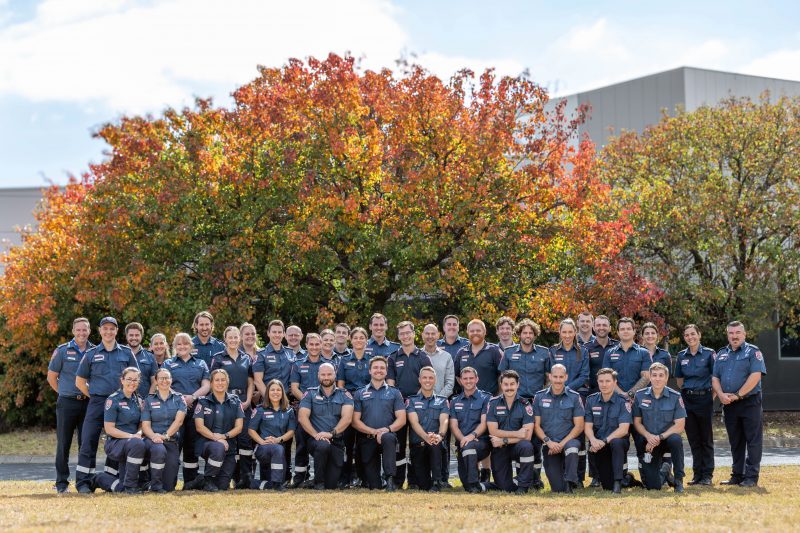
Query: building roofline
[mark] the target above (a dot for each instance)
(682, 68)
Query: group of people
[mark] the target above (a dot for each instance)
(377, 414)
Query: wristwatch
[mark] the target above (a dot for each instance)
(226, 435)
(546, 439)
(505, 440)
(475, 434)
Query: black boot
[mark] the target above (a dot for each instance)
(617, 487)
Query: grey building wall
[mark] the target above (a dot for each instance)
(16, 211)
(636, 104)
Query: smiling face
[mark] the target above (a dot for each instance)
(567, 334)
(275, 334)
(526, 337)
(359, 341)
(377, 370)
(658, 378)
(204, 327)
(451, 328)
(509, 386)
(249, 337)
(275, 393)
(163, 380)
(378, 327)
(314, 346)
(233, 339)
(469, 381)
(183, 347)
(328, 342)
(692, 337)
(130, 382)
(626, 332)
(736, 336)
(427, 380)
(649, 337)
(293, 337)
(406, 336)
(81, 330)
(134, 338)
(219, 382)
(430, 334)
(341, 335)
(585, 324)
(108, 332)
(326, 375)
(606, 383)
(558, 377)
(159, 346)
(505, 333)
(602, 327)
(477, 333)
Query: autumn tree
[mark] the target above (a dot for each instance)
(325, 193)
(718, 211)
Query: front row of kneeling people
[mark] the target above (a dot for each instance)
(505, 428)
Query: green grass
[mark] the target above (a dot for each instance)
(32, 506)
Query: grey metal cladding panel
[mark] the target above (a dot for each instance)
(706, 87)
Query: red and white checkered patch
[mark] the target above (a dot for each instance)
(108, 403)
(680, 401)
(759, 356)
(628, 406)
(529, 410)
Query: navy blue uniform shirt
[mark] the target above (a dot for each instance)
(509, 418)
(662, 356)
(404, 369)
(275, 364)
(486, 363)
(596, 354)
(576, 359)
(187, 376)
(467, 410)
(428, 411)
(658, 414)
(326, 411)
(733, 367)
(239, 371)
(557, 411)
(453, 348)
(205, 351)
(268, 422)
(606, 416)
(103, 368)
(148, 368)
(305, 373)
(386, 348)
(218, 417)
(126, 413)
(378, 406)
(629, 364)
(532, 368)
(162, 413)
(354, 371)
(695, 369)
(65, 361)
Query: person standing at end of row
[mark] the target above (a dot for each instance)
(738, 370)
(71, 403)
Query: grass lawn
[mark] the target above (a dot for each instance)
(43, 442)
(773, 506)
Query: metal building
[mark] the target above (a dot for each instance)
(638, 103)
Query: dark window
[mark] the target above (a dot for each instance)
(790, 342)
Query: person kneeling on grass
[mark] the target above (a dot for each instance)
(163, 413)
(608, 420)
(218, 419)
(559, 425)
(272, 424)
(121, 422)
(325, 412)
(659, 416)
(509, 418)
(428, 415)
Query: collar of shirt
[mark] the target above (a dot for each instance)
(382, 387)
(554, 395)
(73, 344)
(102, 347)
(196, 341)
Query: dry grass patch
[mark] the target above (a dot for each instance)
(32, 506)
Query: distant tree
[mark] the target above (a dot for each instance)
(717, 211)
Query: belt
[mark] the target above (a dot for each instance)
(696, 392)
(237, 392)
(78, 397)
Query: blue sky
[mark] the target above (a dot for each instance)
(68, 66)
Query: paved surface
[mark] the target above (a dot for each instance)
(42, 469)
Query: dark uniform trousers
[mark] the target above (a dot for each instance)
(652, 477)
(220, 463)
(90, 438)
(244, 457)
(743, 424)
(369, 449)
(503, 459)
(609, 462)
(351, 457)
(272, 464)
(328, 460)
(445, 468)
(187, 444)
(401, 460)
(70, 413)
(129, 453)
(562, 468)
(164, 461)
(468, 458)
(426, 462)
(300, 454)
(699, 419)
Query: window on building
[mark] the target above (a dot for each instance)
(790, 342)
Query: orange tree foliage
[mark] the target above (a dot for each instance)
(324, 194)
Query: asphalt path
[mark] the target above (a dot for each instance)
(41, 471)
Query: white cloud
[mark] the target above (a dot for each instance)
(783, 64)
(592, 55)
(139, 55)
